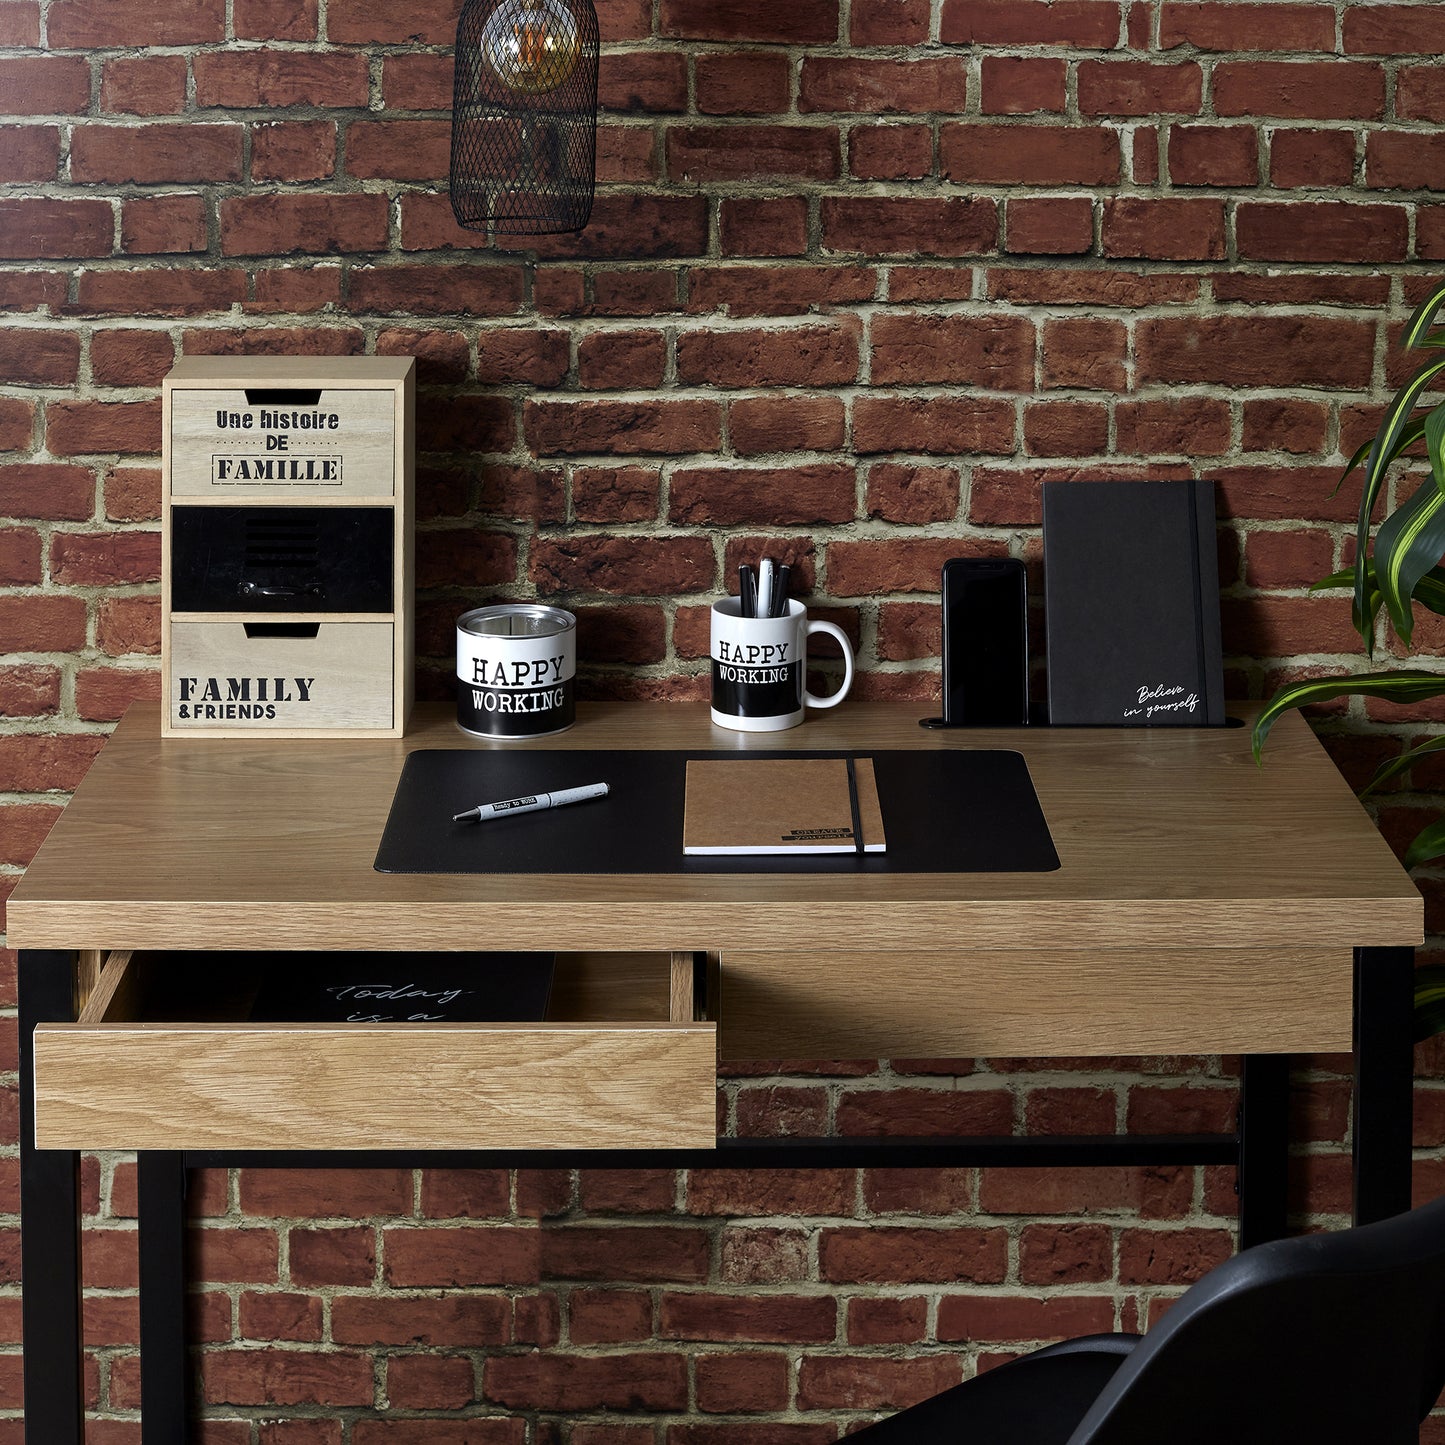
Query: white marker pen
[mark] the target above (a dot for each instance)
(533, 804)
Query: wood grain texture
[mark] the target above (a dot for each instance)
(963, 1005)
(114, 991)
(430, 1086)
(682, 1006)
(1167, 836)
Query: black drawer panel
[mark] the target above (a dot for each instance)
(281, 559)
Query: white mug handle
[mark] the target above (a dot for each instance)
(833, 698)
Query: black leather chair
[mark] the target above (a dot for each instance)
(1329, 1339)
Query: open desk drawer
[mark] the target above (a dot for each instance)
(624, 1060)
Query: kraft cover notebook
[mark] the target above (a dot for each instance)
(744, 807)
(1131, 590)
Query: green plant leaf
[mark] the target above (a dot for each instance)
(1422, 319)
(1383, 450)
(1411, 540)
(1429, 843)
(1403, 685)
(1429, 1001)
(1403, 762)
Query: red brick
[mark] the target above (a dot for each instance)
(261, 225)
(1085, 353)
(1049, 225)
(1185, 426)
(143, 85)
(1312, 158)
(32, 228)
(1020, 1317)
(412, 150)
(622, 427)
(106, 559)
(75, 427)
(1164, 228)
(1394, 30)
(273, 341)
(31, 356)
(1116, 286)
(102, 694)
(615, 494)
(901, 492)
(29, 690)
(1265, 350)
(296, 288)
(875, 565)
(777, 290)
(29, 153)
(919, 1112)
(161, 151)
(1237, 27)
(728, 496)
(796, 356)
(909, 630)
(1065, 1254)
(274, 1315)
(345, 1256)
(501, 1255)
(616, 565)
(855, 85)
(293, 150)
(125, 625)
(1066, 429)
(1182, 1109)
(388, 1430)
(1022, 85)
(772, 1191)
(1420, 93)
(1282, 493)
(20, 23)
(358, 22)
(1300, 90)
(454, 1321)
(44, 85)
(1321, 231)
(886, 1321)
(116, 24)
(881, 225)
(1084, 24)
(321, 1193)
(1137, 87)
(274, 19)
(163, 225)
(632, 228)
(942, 425)
(1171, 1256)
(711, 153)
(429, 1382)
(871, 1382)
(1204, 155)
(1013, 496)
(770, 226)
(636, 82)
(808, 22)
(650, 1381)
(745, 82)
(162, 292)
(1279, 626)
(609, 1317)
(272, 79)
(464, 1193)
(286, 1377)
(482, 290)
(765, 1319)
(742, 1382)
(23, 827)
(1286, 425)
(1030, 155)
(759, 424)
(996, 352)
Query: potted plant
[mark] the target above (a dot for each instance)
(1399, 566)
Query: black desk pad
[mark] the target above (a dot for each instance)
(944, 811)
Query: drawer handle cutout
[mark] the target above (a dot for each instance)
(283, 396)
(282, 629)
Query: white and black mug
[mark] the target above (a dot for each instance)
(759, 666)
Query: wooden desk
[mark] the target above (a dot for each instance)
(1202, 906)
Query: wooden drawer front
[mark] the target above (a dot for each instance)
(447, 1086)
(224, 445)
(219, 676)
(1013, 1003)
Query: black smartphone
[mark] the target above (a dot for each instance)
(985, 642)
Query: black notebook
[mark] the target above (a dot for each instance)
(1131, 584)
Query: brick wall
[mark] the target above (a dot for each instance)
(862, 274)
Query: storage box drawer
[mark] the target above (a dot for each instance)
(283, 441)
(261, 674)
(608, 1068)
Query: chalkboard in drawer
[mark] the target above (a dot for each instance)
(281, 559)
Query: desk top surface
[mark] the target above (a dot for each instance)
(1169, 838)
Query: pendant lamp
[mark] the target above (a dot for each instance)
(524, 117)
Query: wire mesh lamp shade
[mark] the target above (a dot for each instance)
(524, 116)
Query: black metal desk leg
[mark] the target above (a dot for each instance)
(1263, 1148)
(164, 1397)
(49, 1226)
(1384, 1081)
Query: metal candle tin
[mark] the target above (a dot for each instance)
(515, 667)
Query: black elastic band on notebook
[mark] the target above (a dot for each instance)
(853, 804)
(1201, 662)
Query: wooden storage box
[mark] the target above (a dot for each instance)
(287, 573)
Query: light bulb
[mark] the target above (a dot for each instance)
(531, 45)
